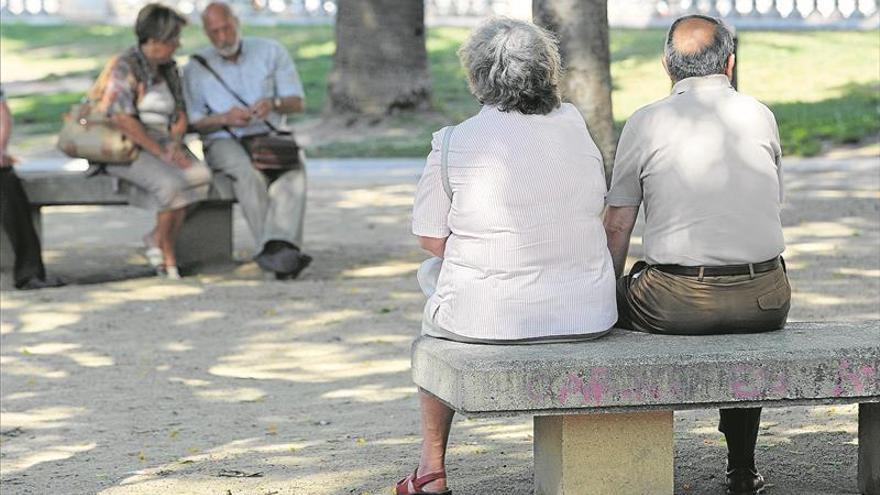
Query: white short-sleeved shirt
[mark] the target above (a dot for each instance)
(263, 69)
(526, 255)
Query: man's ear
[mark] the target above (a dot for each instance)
(728, 69)
(665, 65)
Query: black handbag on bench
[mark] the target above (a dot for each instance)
(275, 150)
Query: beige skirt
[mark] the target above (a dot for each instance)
(159, 186)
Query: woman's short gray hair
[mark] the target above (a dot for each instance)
(514, 65)
(158, 22)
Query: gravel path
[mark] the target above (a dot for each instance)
(226, 383)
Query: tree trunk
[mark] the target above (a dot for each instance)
(381, 64)
(582, 28)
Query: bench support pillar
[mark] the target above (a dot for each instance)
(869, 448)
(620, 453)
(206, 236)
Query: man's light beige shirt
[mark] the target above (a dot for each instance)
(706, 163)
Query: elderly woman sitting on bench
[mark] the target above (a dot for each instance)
(511, 200)
(142, 92)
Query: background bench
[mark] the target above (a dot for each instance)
(603, 409)
(206, 236)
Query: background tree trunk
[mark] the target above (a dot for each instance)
(381, 63)
(582, 28)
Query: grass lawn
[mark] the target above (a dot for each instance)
(823, 86)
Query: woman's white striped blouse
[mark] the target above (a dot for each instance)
(526, 255)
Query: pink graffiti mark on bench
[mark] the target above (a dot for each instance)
(752, 383)
(852, 378)
(591, 391)
(743, 386)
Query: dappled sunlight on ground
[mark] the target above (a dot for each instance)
(372, 393)
(232, 395)
(20, 366)
(229, 382)
(387, 270)
(304, 362)
(397, 195)
(45, 321)
(39, 419)
(49, 453)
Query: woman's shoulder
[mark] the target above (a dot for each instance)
(569, 111)
(121, 64)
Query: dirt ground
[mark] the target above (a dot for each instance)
(230, 384)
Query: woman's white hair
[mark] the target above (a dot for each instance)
(514, 65)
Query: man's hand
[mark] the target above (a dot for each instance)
(175, 155)
(7, 160)
(262, 107)
(238, 117)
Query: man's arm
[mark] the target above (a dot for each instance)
(287, 104)
(433, 245)
(619, 222)
(289, 95)
(235, 117)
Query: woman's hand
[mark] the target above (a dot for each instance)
(7, 160)
(174, 154)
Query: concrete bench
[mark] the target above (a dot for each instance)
(603, 410)
(206, 236)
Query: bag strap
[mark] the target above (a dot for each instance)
(444, 161)
(204, 63)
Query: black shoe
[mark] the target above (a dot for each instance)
(278, 257)
(304, 261)
(40, 283)
(744, 481)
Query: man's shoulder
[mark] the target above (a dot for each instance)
(748, 101)
(261, 43)
(648, 112)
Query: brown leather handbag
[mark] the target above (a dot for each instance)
(275, 150)
(87, 131)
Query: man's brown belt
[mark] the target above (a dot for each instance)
(720, 271)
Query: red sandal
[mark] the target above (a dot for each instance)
(412, 484)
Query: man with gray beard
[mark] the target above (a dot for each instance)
(232, 89)
(706, 163)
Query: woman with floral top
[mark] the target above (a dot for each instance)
(141, 92)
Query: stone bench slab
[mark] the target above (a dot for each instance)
(75, 188)
(206, 236)
(630, 371)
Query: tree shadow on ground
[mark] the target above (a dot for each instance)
(158, 387)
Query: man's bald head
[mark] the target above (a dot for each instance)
(693, 35)
(697, 46)
(218, 11)
(221, 26)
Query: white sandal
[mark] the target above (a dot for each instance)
(154, 256)
(168, 272)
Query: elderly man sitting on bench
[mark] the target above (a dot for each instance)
(706, 162)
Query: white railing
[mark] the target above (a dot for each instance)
(769, 14)
(776, 14)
